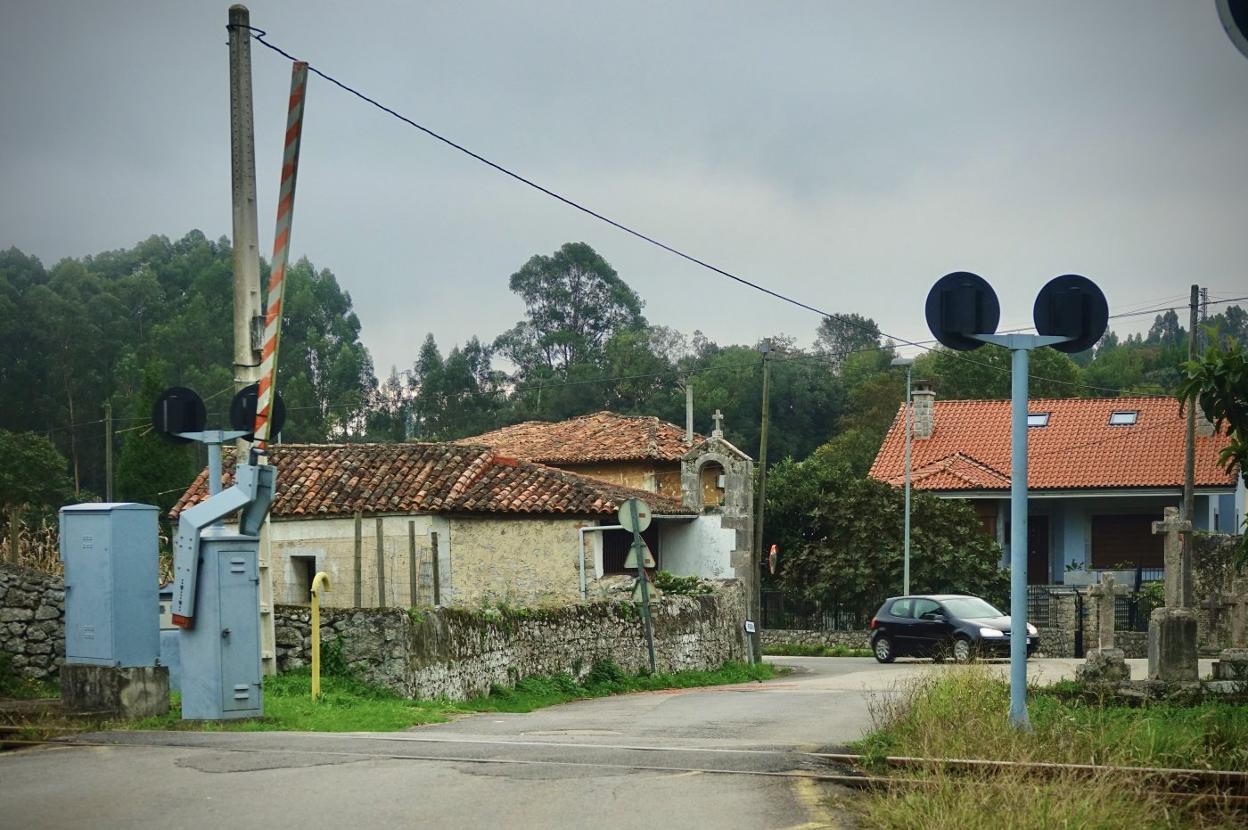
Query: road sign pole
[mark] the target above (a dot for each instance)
(639, 552)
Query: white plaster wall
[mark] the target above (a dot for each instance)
(698, 548)
(331, 541)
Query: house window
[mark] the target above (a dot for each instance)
(1037, 419)
(615, 545)
(303, 569)
(1123, 419)
(1125, 540)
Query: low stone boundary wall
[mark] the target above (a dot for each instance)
(1054, 642)
(32, 621)
(457, 653)
(828, 639)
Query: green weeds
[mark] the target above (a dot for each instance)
(350, 705)
(962, 714)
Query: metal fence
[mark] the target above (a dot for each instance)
(780, 611)
(1131, 611)
(1038, 606)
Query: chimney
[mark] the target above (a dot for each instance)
(1204, 426)
(923, 398)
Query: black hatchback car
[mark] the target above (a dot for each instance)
(940, 626)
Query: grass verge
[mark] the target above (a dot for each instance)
(962, 714)
(808, 650)
(349, 705)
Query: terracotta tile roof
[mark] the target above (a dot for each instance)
(970, 447)
(338, 479)
(602, 436)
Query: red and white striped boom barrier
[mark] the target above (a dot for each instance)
(281, 255)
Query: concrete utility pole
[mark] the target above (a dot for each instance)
(1189, 463)
(247, 309)
(248, 313)
(756, 557)
(108, 451)
(689, 410)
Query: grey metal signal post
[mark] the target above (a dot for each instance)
(1020, 346)
(1070, 315)
(215, 602)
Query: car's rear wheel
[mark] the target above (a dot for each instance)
(963, 650)
(883, 649)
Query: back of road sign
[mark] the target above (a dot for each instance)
(625, 515)
(631, 560)
(959, 305)
(1071, 306)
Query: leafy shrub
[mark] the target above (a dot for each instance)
(669, 583)
(604, 673)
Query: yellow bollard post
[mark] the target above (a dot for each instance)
(320, 579)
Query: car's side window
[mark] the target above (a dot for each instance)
(924, 606)
(901, 608)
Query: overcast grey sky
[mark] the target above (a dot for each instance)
(847, 153)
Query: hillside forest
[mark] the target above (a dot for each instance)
(117, 327)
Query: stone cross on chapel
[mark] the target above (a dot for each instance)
(718, 418)
(1178, 586)
(1107, 594)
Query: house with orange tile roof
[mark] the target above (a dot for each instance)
(1100, 471)
(707, 475)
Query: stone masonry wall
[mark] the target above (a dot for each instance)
(457, 653)
(32, 621)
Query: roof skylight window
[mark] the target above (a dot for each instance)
(1037, 419)
(1124, 418)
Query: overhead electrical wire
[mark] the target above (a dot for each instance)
(259, 36)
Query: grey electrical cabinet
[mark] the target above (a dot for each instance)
(221, 655)
(112, 613)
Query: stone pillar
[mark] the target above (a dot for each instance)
(1105, 663)
(1232, 663)
(1172, 645)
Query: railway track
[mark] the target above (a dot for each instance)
(1225, 790)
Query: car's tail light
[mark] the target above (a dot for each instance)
(872, 625)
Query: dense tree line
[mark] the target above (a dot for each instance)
(119, 326)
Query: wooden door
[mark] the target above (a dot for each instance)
(1038, 550)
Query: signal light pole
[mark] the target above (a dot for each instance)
(1070, 315)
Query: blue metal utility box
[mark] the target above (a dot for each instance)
(221, 655)
(112, 613)
(170, 642)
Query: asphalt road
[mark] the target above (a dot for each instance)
(723, 757)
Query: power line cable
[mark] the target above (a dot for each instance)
(260, 34)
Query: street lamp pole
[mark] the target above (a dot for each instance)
(908, 362)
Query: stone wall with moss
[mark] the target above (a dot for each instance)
(32, 621)
(458, 653)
